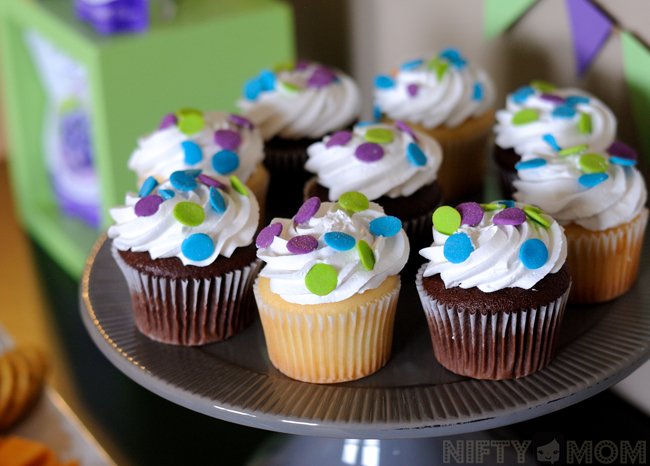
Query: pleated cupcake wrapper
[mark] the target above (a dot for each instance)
(503, 345)
(321, 348)
(194, 311)
(604, 264)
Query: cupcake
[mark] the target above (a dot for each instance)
(451, 101)
(328, 293)
(185, 249)
(599, 197)
(389, 164)
(495, 288)
(541, 118)
(217, 143)
(294, 107)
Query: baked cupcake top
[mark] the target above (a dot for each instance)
(376, 160)
(331, 251)
(217, 143)
(540, 117)
(307, 100)
(594, 189)
(192, 216)
(494, 246)
(444, 90)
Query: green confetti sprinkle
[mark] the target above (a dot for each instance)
(288, 87)
(446, 220)
(543, 86)
(573, 150)
(441, 70)
(491, 207)
(433, 63)
(284, 66)
(366, 255)
(584, 124)
(190, 121)
(321, 279)
(593, 163)
(354, 201)
(189, 214)
(525, 116)
(238, 186)
(535, 214)
(379, 135)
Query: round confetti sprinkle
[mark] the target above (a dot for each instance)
(227, 139)
(166, 194)
(528, 164)
(491, 207)
(584, 124)
(535, 214)
(225, 161)
(478, 92)
(361, 124)
(525, 116)
(307, 210)
(411, 65)
(182, 181)
(510, 216)
(376, 113)
(379, 135)
(415, 155)
(167, 121)
(622, 151)
(574, 100)
(354, 201)
(593, 163)
(384, 82)
(457, 248)
(451, 54)
(412, 90)
(471, 213)
(266, 79)
(533, 253)
(563, 111)
(205, 179)
(321, 279)
(543, 86)
(149, 184)
(303, 244)
(339, 241)
(238, 186)
(192, 151)
(404, 127)
(241, 121)
(366, 255)
(321, 77)
(340, 138)
(521, 94)
(555, 99)
(550, 140)
(624, 162)
(446, 220)
(369, 152)
(288, 87)
(288, 65)
(385, 226)
(217, 201)
(441, 70)
(573, 150)
(193, 172)
(189, 213)
(507, 203)
(197, 247)
(252, 89)
(148, 205)
(592, 179)
(267, 235)
(301, 65)
(190, 121)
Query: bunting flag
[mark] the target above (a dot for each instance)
(499, 15)
(636, 61)
(589, 28)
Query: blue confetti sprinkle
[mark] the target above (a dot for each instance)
(225, 161)
(365, 123)
(533, 253)
(574, 100)
(384, 82)
(550, 140)
(592, 179)
(521, 94)
(564, 111)
(622, 161)
(339, 241)
(528, 164)
(410, 65)
(457, 248)
(415, 155)
(193, 153)
(217, 200)
(507, 204)
(193, 172)
(148, 186)
(478, 92)
(182, 181)
(385, 226)
(454, 56)
(376, 113)
(267, 80)
(252, 89)
(197, 247)
(166, 194)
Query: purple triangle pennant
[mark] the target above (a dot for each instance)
(590, 27)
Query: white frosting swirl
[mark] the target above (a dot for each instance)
(555, 189)
(160, 153)
(162, 235)
(449, 100)
(527, 137)
(495, 263)
(287, 271)
(394, 175)
(304, 112)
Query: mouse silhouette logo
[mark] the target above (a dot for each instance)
(549, 448)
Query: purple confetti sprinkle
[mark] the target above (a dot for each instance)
(340, 138)
(556, 99)
(307, 210)
(148, 205)
(167, 121)
(266, 236)
(241, 121)
(320, 78)
(413, 89)
(404, 127)
(471, 213)
(302, 244)
(227, 139)
(510, 216)
(205, 179)
(302, 65)
(618, 149)
(369, 152)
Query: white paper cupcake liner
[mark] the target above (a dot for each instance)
(191, 312)
(501, 345)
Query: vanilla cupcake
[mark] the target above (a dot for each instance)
(217, 143)
(451, 101)
(495, 289)
(328, 293)
(541, 118)
(600, 199)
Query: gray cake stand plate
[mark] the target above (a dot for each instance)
(411, 397)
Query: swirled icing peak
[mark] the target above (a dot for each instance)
(192, 216)
(376, 160)
(540, 117)
(443, 90)
(494, 246)
(307, 100)
(331, 251)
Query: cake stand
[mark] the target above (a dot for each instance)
(411, 397)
